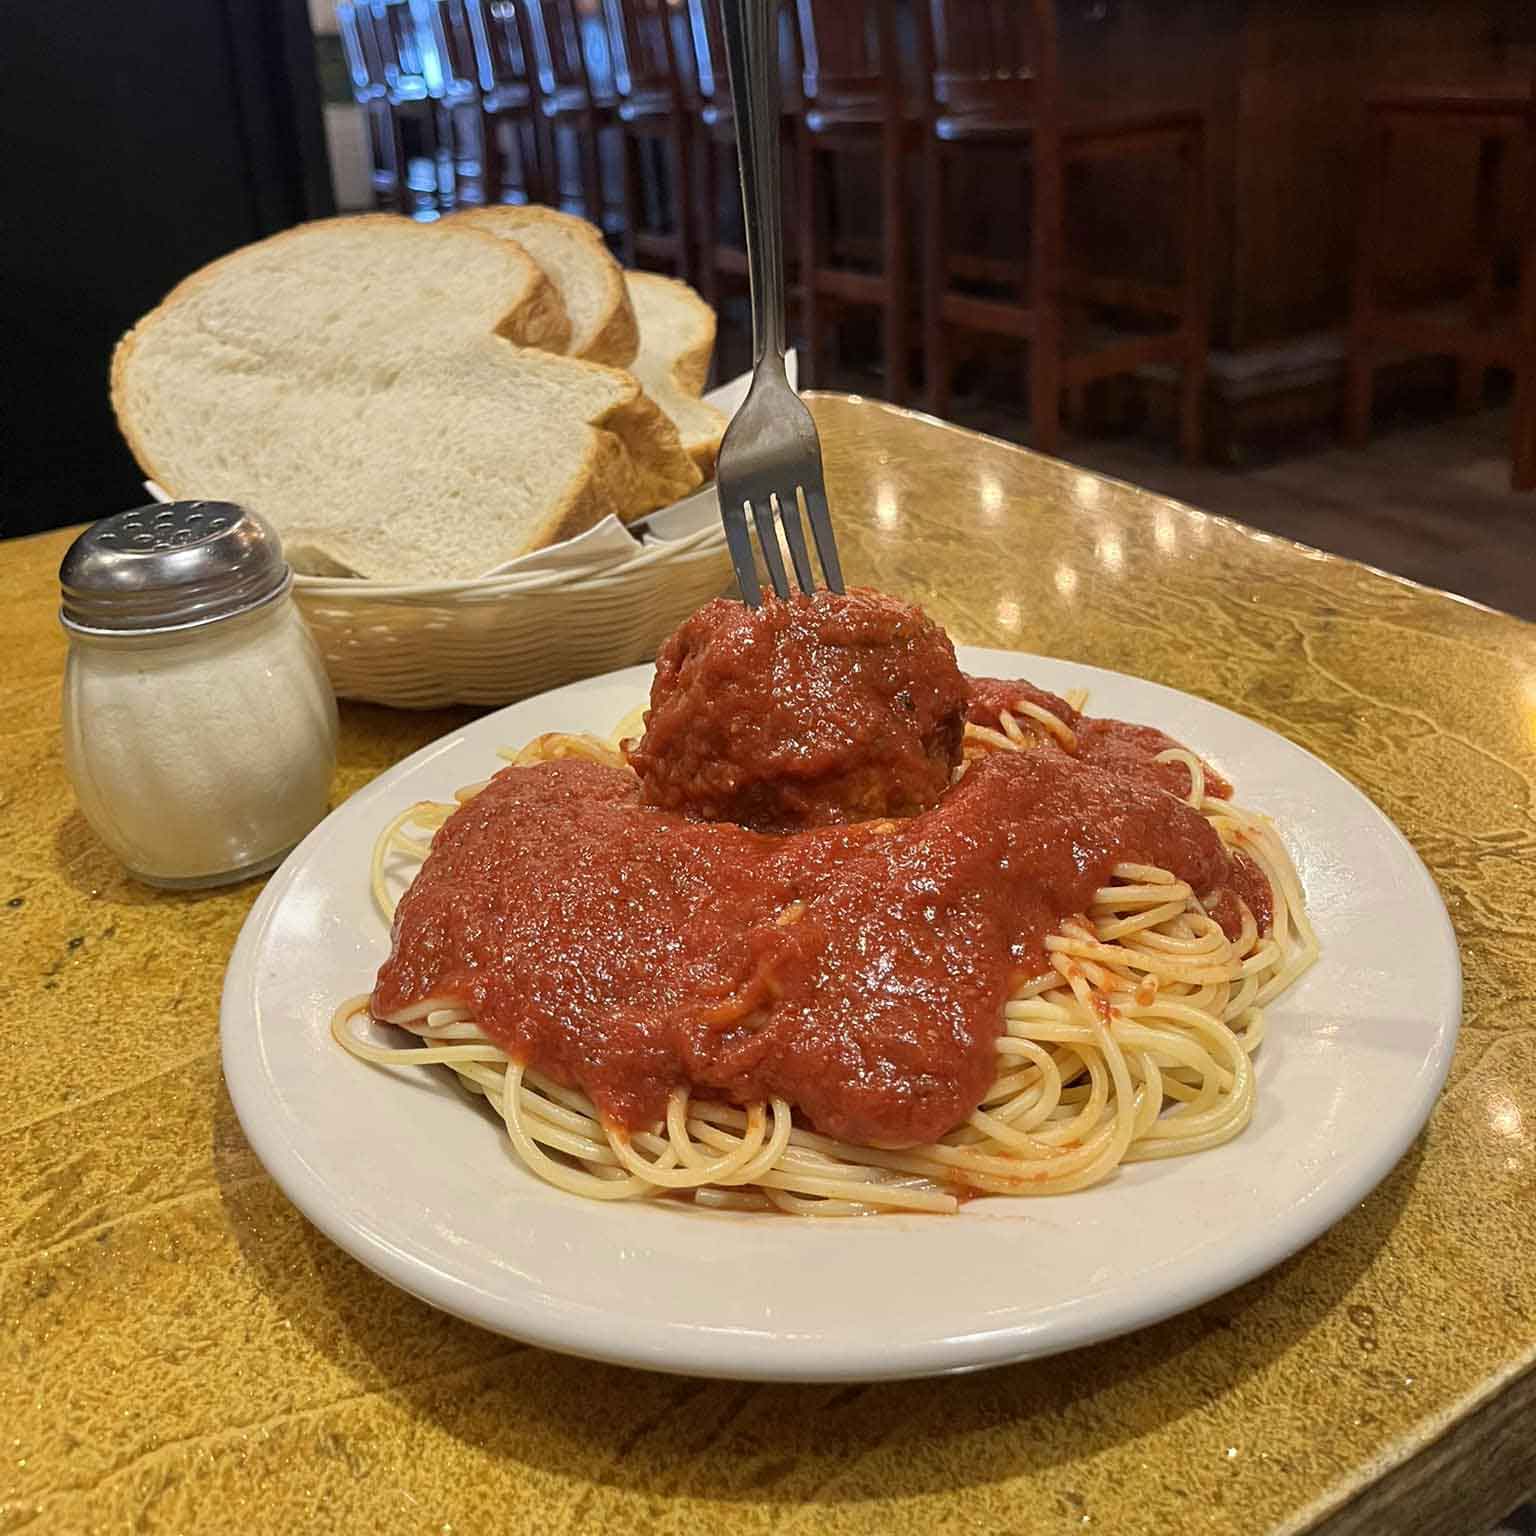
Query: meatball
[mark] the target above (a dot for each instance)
(806, 712)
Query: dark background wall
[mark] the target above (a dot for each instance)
(140, 139)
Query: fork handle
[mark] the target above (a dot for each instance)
(752, 47)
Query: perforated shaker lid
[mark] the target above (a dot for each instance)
(170, 567)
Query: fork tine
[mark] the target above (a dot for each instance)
(826, 540)
(767, 536)
(794, 536)
(738, 539)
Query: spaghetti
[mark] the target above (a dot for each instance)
(1134, 1042)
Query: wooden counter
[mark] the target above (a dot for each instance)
(180, 1351)
(1284, 86)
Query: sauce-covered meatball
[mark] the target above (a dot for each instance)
(806, 712)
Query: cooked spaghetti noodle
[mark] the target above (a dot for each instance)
(1136, 1044)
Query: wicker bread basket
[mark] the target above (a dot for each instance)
(500, 638)
(424, 645)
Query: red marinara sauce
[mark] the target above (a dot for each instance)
(1118, 744)
(859, 971)
(629, 933)
(1131, 751)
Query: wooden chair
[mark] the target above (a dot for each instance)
(370, 90)
(715, 140)
(572, 108)
(455, 87)
(411, 162)
(720, 258)
(854, 103)
(1492, 329)
(992, 72)
(514, 172)
(653, 108)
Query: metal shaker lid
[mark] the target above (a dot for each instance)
(172, 567)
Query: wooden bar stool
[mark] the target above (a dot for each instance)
(454, 83)
(1177, 136)
(715, 148)
(572, 110)
(513, 171)
(653, 109)
(370, 90)
(993, 81)
(420, 167)
(1492, 328)
(715, 136)
(854, 104)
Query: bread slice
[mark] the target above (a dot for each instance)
(677, 339)
(656, 327)
(591, 283)
(352, 380)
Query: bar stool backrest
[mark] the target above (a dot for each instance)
(990, 60)
(850, 53)
(554, 38)
(643, 48)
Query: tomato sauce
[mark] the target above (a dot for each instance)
(990, 696)
(858, 971)
(1117, 744)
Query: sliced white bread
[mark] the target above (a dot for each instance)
(351, 380)
(578, 263)
(677, 339)
(656, 327)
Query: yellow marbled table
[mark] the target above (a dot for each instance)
(179, 1351)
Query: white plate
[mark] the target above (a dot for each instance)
(402, 1171)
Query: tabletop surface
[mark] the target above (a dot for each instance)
(179, 1350)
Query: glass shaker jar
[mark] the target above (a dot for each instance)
(199, 724)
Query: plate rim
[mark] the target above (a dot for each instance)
(691, 1348)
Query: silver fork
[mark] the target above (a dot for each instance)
(770, 457)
